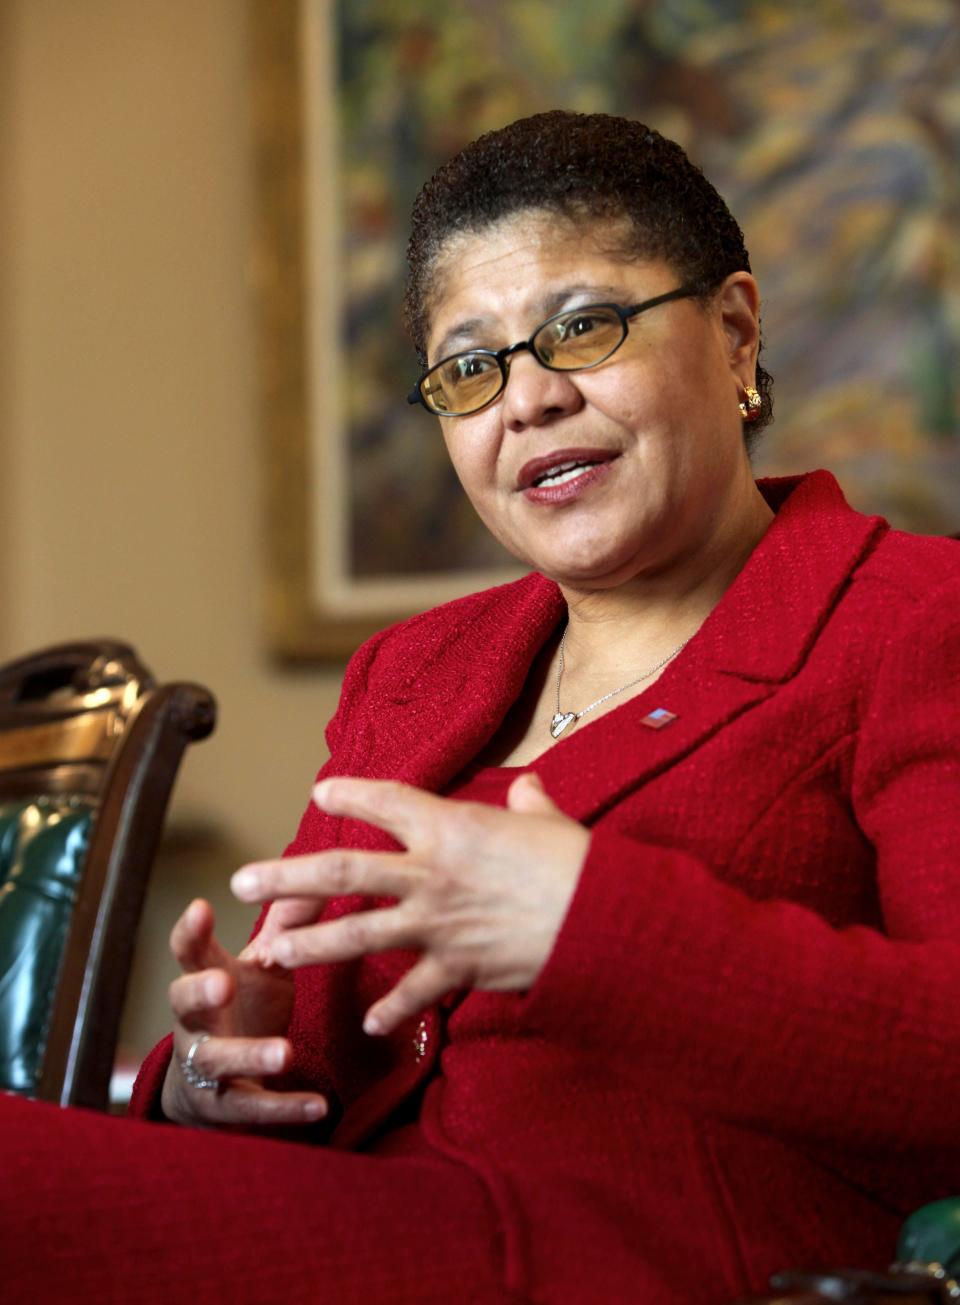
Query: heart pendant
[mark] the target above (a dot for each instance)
(560, 722)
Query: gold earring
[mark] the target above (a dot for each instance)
(751, 404)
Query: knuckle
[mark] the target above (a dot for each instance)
(241, 1106)
(275, 1107)
(447, 973)
(431, 845)
(442, 881)
(475, 825)
(356, 932)
(337, 873)
(183, 995)
(439, 895)
(255, 1107)
(455, 839)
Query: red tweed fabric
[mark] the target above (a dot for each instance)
(100, 1210)
(743, 1051)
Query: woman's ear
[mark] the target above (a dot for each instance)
(738, 301)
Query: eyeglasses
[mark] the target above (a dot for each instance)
(571, 341)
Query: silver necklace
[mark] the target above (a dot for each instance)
(564, 718)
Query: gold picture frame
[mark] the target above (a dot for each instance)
(315, 610)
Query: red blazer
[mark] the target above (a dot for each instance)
(744, 1050)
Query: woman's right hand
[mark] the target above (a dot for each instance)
(245, 1010)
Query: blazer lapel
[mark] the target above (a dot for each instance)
(435, 720)
(756, 638)
(595, 768)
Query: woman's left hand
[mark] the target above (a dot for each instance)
(481, 891)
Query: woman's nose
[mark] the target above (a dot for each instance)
(534, 394)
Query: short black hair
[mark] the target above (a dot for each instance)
(582, 165)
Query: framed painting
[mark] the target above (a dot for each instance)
(834, 133)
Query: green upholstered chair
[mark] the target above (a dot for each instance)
(89, 749)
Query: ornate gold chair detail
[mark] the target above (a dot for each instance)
(89, 750)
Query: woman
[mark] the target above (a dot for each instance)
(614, 957)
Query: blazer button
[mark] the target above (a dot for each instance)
(420, 1040)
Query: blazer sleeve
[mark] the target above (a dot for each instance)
(761, 1013)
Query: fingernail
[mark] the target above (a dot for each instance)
(211, 990)
(372, 1025)
(244, 883)
(314, 1109)
(320, 792)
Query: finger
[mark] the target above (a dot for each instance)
(222, 1058)
(527, 794)
(359, 934)
(251, 1105)
(420, 987)
(243, 1103)
(197, 997)
(326, 874)
(192, 942)
(399, 809)
(288, 913)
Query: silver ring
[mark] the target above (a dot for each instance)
(189, 1070)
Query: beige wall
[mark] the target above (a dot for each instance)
(129, 497)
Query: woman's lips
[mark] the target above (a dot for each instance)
(563, 474)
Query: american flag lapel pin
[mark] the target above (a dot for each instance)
(656, 719)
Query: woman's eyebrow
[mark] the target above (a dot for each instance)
(548, 304)
(555, 301)
(462, 331)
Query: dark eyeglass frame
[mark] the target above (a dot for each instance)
(501, 356)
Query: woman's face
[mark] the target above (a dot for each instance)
(647, 448)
